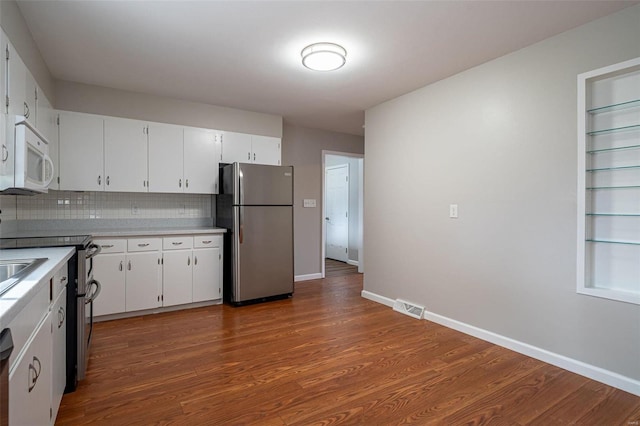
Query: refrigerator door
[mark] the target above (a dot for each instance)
(264, 185)
(263, 252)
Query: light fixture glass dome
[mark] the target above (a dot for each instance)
(324, 56)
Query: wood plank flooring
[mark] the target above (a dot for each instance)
(326, 356)
(334, 268)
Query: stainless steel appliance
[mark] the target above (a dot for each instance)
(25, 165)
(256, 207)
(82, 289)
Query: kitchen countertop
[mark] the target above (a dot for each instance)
(12, 302)
(116, 232)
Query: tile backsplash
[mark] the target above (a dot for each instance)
(106, 205)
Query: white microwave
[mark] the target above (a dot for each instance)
(25, 165)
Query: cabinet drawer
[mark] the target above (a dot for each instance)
(112, 246)
(177, 243)
(26, 321)
(203, 241)
(144, 244)
(60, 280)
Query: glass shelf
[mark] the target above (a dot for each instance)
(595, 151)
(613, 130)
(612, 187)
(606, 169)
(615, 107)
(629, 243)
(614, 214)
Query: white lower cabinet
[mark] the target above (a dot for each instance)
(30, 382)
(59, 359)
(138, 273)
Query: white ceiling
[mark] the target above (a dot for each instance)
(246, 54)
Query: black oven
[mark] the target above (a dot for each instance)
(82, 289)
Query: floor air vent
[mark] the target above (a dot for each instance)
(408, 308)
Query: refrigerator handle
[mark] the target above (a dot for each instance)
(240, 224)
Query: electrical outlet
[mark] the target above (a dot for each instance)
(309, 203)
(182, 209)
(134, 209)
(453, 211)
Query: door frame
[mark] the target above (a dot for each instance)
(360, 207)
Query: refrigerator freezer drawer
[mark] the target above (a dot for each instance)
(263, 252)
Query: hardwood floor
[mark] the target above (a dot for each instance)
(334, 268)
(325, 356)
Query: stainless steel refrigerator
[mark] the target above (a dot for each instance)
(256, 207)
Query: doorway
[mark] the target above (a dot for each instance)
(342, 201)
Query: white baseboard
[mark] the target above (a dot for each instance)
(587, 370)
(352, 262)
(307, 277)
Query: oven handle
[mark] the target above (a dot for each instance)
(93, 250)
(96, 292)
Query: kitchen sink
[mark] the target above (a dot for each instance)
(14, 271)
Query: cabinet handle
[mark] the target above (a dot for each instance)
(254, 156)
(36, 372)
(176, 243)
(63, 279)
(61, 316)
(195, 260)
(107, 245)
(120, 265)
(107, 180)
(188, 260)
(144, 183)
(143, 245)
(206, 242)
(27, 113)
(129, 265)
(5, 153)
(99, 180)
(180, 183)
(186, 183)
(249, 156)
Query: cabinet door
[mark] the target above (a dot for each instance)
(81, 152)
(207, 270)
(143, 281)
(125, 155)
(266, 150)
(236, 147)
(17, 81)
(109, 270)
(201, 153)
(165, 158)
(176, 277)
(30, 97)
(59, 361)
(30, 381)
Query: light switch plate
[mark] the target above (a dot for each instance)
(453, 211)
(309, 203)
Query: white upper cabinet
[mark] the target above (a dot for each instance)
(17, 81)
(245, 148)
(165, 158)
(81, 152)
(202, 149)
(236, 147)
(125, 155)
(266, 150)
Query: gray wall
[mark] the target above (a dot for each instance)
(16, 29)
(119, 103)
(500, 140)
(302, 147)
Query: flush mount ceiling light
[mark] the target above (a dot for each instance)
(324, 56)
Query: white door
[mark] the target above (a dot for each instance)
(177, 277)
(337, 212)
(266, 150)
(48, 124)
(109, 269)
(165, 158)
(143, 275)
(81, 146)
(59, 361)
(17, 78)
(236, 147)
(125, 155)
(206, 274)
(201, 159)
